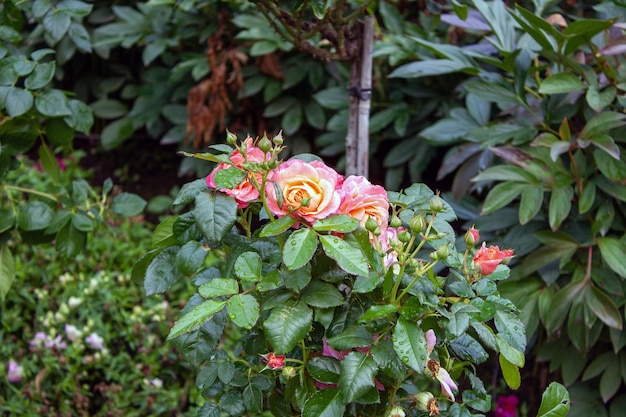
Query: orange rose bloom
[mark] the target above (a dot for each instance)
(488, 258)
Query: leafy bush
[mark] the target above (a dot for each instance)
(84, 337)
(324, 303)
(539, 134)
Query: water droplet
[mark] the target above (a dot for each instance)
(422, 358)
(340, 246)
(336, 240)
(293, 243)
(405, 359)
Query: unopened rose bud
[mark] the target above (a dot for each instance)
(426, 401)
(289, 372)
(231, 138)
(443, 252)
(370, 224)
(417, 224)
(404, 236)
(395, 411)
(264, 144)
(471, 237)
(278, 139)
(395, 222)
(436, 204)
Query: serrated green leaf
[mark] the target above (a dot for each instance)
(196, 317)
(560, 205)
(603, 307)
(248, 266)
(277, 227)
(357, 375)
(190, 257)
(243, 310)
(501, 195)
(324, 403)
(378, 312)
(52, 103)
(341, 223)
(511, 329)
(162, 272)
(215, 214)
(287, 324)
(321, 294)
(514, 356)
(554, 401)
(228, 178)
(128, 204)
(348, 257)
(324, 369)
(49, 162)
(352, 337)
(299, 248)
(410, 344)
(218, 287)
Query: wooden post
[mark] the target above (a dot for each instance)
(357, 138)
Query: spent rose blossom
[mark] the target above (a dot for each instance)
(274, 361)
(14, 372)
(488, 258)
(434, 368)
(361, 199)
(245, 191)
(309, 190)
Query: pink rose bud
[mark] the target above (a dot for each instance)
(472, 237)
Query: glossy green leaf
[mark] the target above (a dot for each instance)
(277, 227)
(324, 403)
(215, 214)
(52, 103)
(163, 234)
(555, 401)
(607, 144)
(531, 202)
(190, 257)
(561, 83)
(7, 271)
(321, 294)
(56, 25)
(560, 205)
(243, 310)
(287, 324)
(195, 318)
(162, 272)
(598, 100)
(49, 162)
(501, 195)
(18, 101)
(58, 132)
(601, 123)
(228, 178)
(348, 257)
(410, 344)
(613, 252)
(603, 307)
(510, 373)
(324, 369)
(248, 266)
(82, 222)
(512, 355)
(299, 248)
(218, 287)
(34, 215)
(127, 204)
(41, 76)
(511, 329)
(357, 375)
(430, 67)
(352, 337)
(70, 241)
(587, 198)
(341, 223)
(377, 312)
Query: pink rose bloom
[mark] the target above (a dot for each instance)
(488, 258)
(14, 372)
(386, 239)
(245, 191)
(274, 361)
(361, 199)
(309, 190)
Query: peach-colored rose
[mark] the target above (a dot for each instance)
(309, 190)
(245, 191)
(361, 199)
(488, 258)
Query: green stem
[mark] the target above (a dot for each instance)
(418, 275)
(30, 191)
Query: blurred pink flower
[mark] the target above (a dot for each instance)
(71, 332)
(95, 341)
(57, 342)
(14, 372)
(308, 190)
(506, 406)
(361, 199)
(387, 239)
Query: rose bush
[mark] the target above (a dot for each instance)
(330, 296)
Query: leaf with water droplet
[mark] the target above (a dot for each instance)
(348, 257)
(410, 338)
